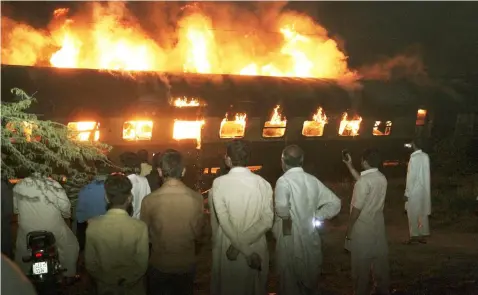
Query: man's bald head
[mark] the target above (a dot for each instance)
(292, 156)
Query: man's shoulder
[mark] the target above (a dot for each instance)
(218, 180)
(373, 177)
(138, 223)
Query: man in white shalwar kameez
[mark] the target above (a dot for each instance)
(417, 194)
(140, 183)
(42, 205)
(301, 203)
(366, 237)
(242, 202)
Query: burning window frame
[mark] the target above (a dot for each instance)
(197, 124)
(240, 122)
(319, 119)
(275, 123)
(387, 130)
(343, 126)
(421, 117)
(186, 102)
(142, 122)
(76, 133)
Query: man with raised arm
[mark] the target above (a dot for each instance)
(366, 237)
(243, 205)
(302, 202)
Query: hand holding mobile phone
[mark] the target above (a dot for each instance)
(345, 155)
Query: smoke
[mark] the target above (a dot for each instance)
(407, 65)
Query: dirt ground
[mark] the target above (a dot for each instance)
(447, 265)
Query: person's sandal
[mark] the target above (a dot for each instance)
(411, 242)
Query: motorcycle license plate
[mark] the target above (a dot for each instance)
(40, 268)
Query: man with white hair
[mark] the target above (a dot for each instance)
(302, 203)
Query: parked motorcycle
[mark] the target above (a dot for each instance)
(46, 272)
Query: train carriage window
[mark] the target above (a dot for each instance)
(186, 102)
(421, 117)
(234, 128)
(276, 126)
(84, 131)
(382, 128)
(315, 127)
(137, 130)
(349, 127)
(188, 130)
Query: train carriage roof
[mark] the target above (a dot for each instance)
(62, 92)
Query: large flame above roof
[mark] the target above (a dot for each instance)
(110, 37)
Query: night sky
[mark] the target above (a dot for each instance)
(446, 33)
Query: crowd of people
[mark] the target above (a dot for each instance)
(139, 231)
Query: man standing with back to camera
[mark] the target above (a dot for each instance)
(417, 194)
(366, 237)
(243, 205)
(174, 215)
(302, 203)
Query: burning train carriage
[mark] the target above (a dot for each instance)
(199, 114)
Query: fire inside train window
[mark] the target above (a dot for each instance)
(382, 128)
(315, 127)
(421, 117)
(233, 128)
(275, 127)
(137, 130)
(84, 131)
(186, 102)
(349, 126)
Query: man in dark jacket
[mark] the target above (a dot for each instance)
(153, 177)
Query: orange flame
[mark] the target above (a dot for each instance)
(138, 130)
(81, 131)
(376, 128)
(276, 126)
(188, 130)
(316, 126)
(233, 129)
(183, 102)
(112, 39)
(349, 127)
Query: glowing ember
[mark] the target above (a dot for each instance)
(349, 127)
(82, 131)
(379, 130)
(185, 102)
(188, 130)
(138, 130)
(233, 129)
(112, 38)
(276, 126)
(316, 126)
(421, 117)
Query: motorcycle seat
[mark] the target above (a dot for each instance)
(40, 239)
